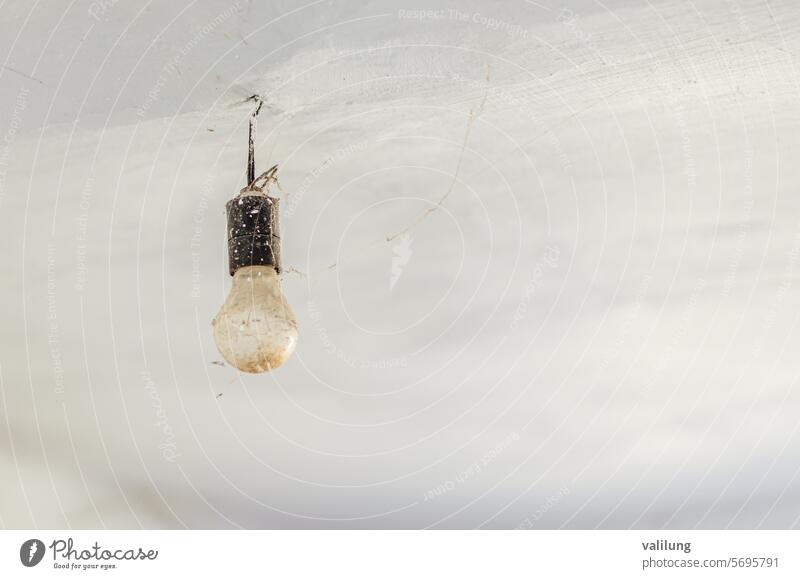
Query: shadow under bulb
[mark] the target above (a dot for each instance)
(255, 330)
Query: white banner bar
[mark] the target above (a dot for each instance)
(388, 554)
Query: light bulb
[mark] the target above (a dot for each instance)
(255, 330)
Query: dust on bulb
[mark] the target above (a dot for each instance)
(255, 330)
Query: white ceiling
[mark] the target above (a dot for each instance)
(591, 319)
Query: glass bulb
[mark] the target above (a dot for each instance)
(255, 330)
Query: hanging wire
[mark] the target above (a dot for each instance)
(251, 147)
(269, 176)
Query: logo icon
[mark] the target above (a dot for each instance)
(402, 255)
(31, 552)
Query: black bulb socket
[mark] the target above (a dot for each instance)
(253, 230)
